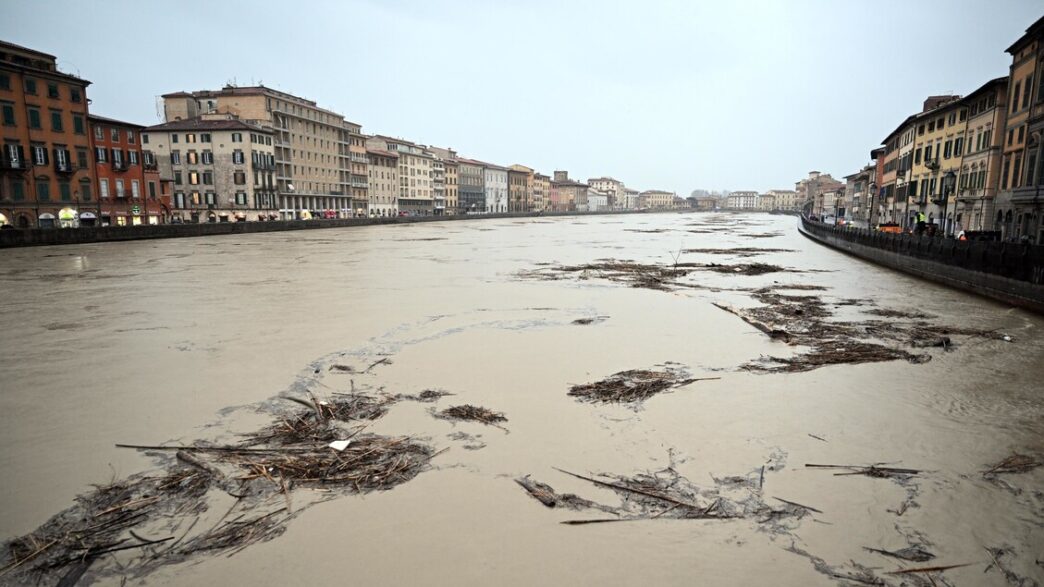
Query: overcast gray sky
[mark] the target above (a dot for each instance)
(662, 94)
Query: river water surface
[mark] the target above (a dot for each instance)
(176, 340)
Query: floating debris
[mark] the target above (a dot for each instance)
(1016, 463)
(914, 553)
(875, 470)
(472, 413)
(426, 396)
(633, 386)
(739, 251)
(589, 321)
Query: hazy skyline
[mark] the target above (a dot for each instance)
(662, 95)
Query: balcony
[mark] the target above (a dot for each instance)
(63, 167)
(356, 183)
(120, 165)
(8, 164)
(932, 164)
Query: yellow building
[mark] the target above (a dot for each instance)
(974, 205)
(938, 151)
(541, 192)
(520, 188)
(1021, 170)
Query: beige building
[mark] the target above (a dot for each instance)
(222, 168)
(742, 200)
(313, 146)
(355, 168)
(656, 199)
(452, 186)
(766, 201)
(541, 192)
(440, 180)
(416, 174)
(567, 195)
(520, 188)
(632, 199)
(979, 182)
(383, 169)
(784, 199)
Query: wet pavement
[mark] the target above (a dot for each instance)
(173, 341)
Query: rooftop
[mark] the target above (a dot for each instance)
(201, 123)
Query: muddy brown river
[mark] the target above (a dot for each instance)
(176, 341)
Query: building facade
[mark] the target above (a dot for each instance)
(221, 169)
(46, 171)
(354, 170)
(742, 200)
(313, 146)
(541, 192)
(452, 186)
(1024, 147)
(976, 198)
(472, 186)
(567, 195)
(661, 200)
(130, 192)
(383, 193)
(495, 182)
(613, 188)
(416, 174)
(520, 188)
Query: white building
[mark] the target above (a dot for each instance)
(597, 200)
(742, 201)
(613, 188)
(496, 186)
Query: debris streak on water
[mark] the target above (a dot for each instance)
(180, 340)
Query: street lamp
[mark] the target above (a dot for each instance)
(870, 207)
(948, 181)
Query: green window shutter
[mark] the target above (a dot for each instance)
(66, 191)
(78, 124)
(9, 115)
(34, 118)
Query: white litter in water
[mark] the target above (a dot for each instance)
(339, 445)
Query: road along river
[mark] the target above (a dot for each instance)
(193, 340)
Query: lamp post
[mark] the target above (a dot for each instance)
(906, 212)
(948, 181)
(870, 207)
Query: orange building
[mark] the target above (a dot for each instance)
(129, 188)
(46, 175)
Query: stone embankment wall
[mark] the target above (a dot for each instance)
(1009, 272)
(68, 236)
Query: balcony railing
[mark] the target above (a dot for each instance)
(63, 167)
(13, 164)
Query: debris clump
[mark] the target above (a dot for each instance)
(470, 413)
(1016, 463)
(633, 386)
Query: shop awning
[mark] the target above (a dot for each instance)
(67, 214)
(88, 215)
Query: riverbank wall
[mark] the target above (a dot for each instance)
(96, 234)
(1012, 273)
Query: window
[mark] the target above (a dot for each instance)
(78, 124)
(1015, 96)
(190, 138)
(135, 189)
(64, 191)
(174, 138)
(196, 200)
(114, 134)
(34, 118)
(17, 190)
(101, 154)
(152, 190)
(191, 158)
(99, 133)
(177, 178)
(130, 137)
(144, 139)
(61, 158)
(179, 200)
(928, 153)
(43, 190)
(917, 156)
(56, 120)
(208, 158)
(237, 137)
(237, 157)
(1004, 174)
(175, 157)
(958, 144)
(1022, 133)
(132, 157)
(85, 190)
(1011, 136)
(30, 86)
(1026, 96)
(117, 158)
(204, 137)
(148, 158)
(208, 178)
(1015, 169)
(241, 198)
(52, 90)
(81, 158)
(5, 81)
(211, 199)
(119, 189)
(8, 114)
(74, 95)
(193, 177)
(39, 155)
(240, 178)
